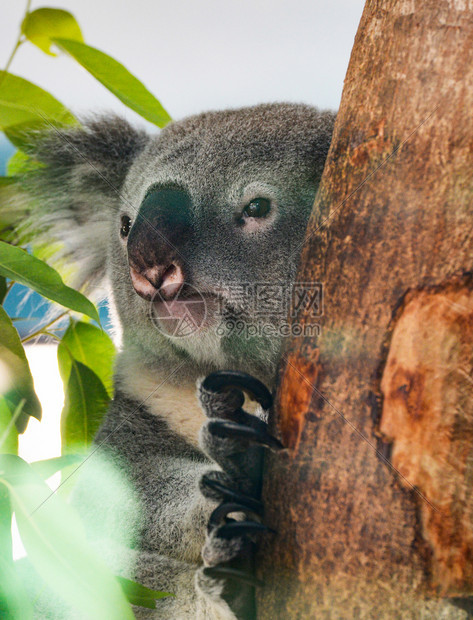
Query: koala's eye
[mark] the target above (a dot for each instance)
(259, 207)
(125, 227)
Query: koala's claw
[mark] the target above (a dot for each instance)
(224, 492)
(228, 379)
(236, 441)
(224, 429)
(235, 529)
(226, 572)
(218, 516)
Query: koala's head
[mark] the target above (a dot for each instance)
(189, 227)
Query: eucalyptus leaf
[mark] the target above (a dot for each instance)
(21, 267)
(15, 164)
(23, 134)
(85, 404)
(140, 595)
(11, 212)
(54, 539)
(3, 284)
(8, 430)
(19, 163)
(17, 383)
(117, 79)
(5, 524)
(14, 603)
(14, 600)
(92, 347)
(48, 467)
(42, 25)
(25, 107)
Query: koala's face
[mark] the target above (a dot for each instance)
(213, 214)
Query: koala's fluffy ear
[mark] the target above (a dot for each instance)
(73, 196)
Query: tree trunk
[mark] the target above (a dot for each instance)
(372, 498)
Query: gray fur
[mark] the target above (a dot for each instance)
(77, 190)
(91, 176)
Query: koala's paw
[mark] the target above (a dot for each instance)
(235, 440)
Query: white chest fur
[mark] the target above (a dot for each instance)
(178, 405)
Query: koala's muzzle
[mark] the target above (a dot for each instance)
(161, 230)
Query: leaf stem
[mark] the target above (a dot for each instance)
(9, 285)
(43, 328)
(21, 39)
(53, 335)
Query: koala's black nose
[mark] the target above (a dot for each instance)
(157, 240)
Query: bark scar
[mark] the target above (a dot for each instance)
(295, 395)
(427, 414)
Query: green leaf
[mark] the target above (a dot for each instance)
(3, 287)
(11, 212)
(14, 600)
(92, 347)
(16, 163)
(5, 524)
(19, 163)
(14, 603)
(26, 269)
(117, 79)
(85, 404)
(56, 545)
(139, 594)
(25, 107)
(42, 25)
(17, 382)
(48, 467)
(8, 430)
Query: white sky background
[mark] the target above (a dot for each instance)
(194, 55)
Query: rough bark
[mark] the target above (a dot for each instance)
(371, 499)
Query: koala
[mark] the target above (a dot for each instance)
(176, 230)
